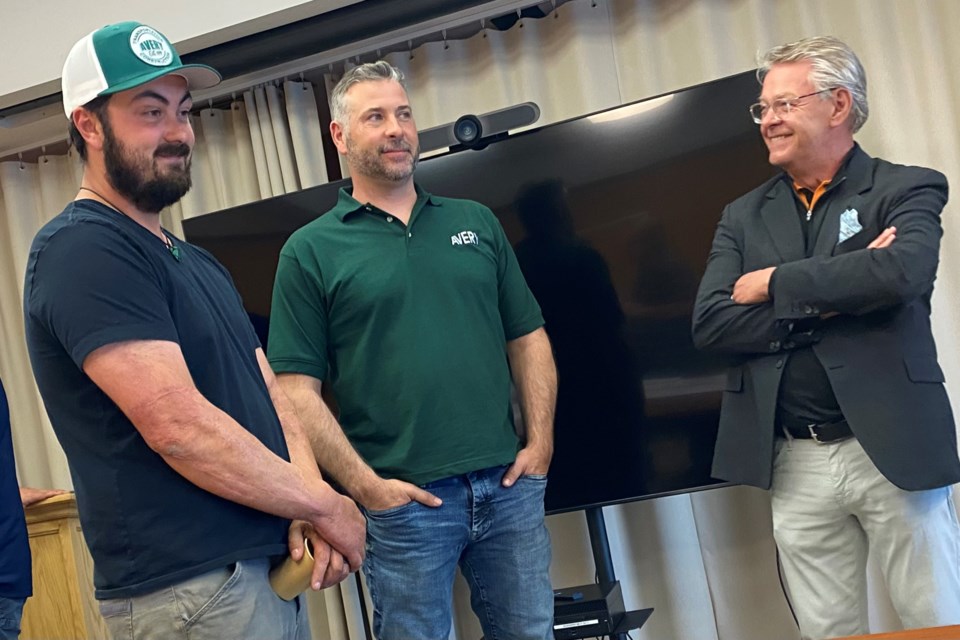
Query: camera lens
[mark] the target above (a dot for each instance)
(467, 129)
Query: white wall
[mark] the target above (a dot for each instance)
(36, 36)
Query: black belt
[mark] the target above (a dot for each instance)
(821, 433)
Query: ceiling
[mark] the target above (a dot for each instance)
(27, 129)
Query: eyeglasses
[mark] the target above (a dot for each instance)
(780, 106)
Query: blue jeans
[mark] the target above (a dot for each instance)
(232, 602)
(497, 537)
(11, 609)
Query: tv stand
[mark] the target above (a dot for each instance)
(603, 560)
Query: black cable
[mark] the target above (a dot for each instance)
(367, 631)
(783, 588)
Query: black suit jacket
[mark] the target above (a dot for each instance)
(878, 353)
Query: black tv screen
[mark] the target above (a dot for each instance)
(611, 216)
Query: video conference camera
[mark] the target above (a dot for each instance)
(475, 132)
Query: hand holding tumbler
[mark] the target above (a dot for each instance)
(292, 577)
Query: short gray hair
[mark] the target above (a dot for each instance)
(369, 72)
(833, 64)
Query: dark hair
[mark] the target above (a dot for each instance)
(98, 107)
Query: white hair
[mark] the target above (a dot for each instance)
(833, 64)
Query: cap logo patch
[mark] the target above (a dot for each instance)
(151, 47)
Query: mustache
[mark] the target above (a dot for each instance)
(172, 150)
(399, 146)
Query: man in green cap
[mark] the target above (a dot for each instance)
(187, 462)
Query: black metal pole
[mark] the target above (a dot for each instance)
(600, 544)
(367, 631)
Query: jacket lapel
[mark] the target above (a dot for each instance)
(779, 213)
(857, 180)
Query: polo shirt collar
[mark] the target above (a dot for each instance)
(347, 204)
(847, 165)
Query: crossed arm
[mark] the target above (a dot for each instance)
(754, 287)
(742, 318)
(737, 312)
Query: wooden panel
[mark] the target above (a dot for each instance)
(52, 613)
(62, 606)
(96, 627)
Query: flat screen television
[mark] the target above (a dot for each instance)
(611, 216)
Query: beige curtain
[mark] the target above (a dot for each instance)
(705, 561)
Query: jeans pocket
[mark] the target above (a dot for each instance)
(384, 513)
(201, 595)
(117, 614)
(114, 608)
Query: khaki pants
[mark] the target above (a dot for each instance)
(830, 505)
(234, 602)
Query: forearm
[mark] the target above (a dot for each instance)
(856, 283)
(298, 444)
(301, 453)
(330, 446)
(211, 450)
(720, 324)
(875, 276)
(150, 382)
(535, 376)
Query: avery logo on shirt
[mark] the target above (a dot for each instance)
(464, 237)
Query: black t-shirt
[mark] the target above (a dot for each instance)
(95, 277)
(15, 580)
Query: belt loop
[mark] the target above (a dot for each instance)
(812, 428)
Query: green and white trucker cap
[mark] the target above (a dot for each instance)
(123, 56)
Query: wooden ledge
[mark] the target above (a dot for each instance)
(55, 508)
(937, 633)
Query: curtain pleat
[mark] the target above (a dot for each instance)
(281, 138)
(204, 196)
(305, 133)
(244, 177)
(705, 561)
(216, 128)
(271, 151)
(257, 144)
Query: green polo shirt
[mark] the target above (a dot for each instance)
(408, 324)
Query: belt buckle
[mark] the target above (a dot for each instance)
(813, 434)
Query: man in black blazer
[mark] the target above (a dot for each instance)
(819, 284)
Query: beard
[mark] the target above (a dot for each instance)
(140, 179)
(369, 162)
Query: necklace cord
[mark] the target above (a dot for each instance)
(168, 243)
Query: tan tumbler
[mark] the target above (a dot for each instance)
(292, 578)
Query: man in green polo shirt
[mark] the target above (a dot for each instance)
(413, 310)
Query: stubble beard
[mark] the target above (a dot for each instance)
(371, 164)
